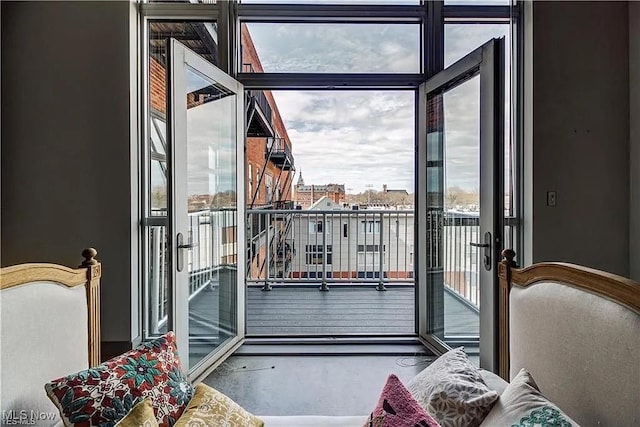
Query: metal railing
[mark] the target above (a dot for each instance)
(278, 146)
(213, 235)
(375, 246)
(287, 247)
(461, 261)
(258, 95)
(330, 247)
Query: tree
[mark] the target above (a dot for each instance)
(456, 196)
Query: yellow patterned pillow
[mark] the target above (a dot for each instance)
(209, 407)
(140, 416)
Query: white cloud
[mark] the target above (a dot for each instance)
(359, 138)
(341, 136)
(293, 47)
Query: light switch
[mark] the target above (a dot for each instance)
(551, 198)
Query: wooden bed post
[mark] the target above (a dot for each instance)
(504, 273)
(94, 272)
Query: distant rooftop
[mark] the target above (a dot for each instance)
(325, 203)
(320, 188)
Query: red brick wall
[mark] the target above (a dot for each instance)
(255, 153)
(157, 86)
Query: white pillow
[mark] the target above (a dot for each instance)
(522, 404)
(452, 390)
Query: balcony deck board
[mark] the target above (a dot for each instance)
(342, 310)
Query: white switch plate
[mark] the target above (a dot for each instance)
(551, 198)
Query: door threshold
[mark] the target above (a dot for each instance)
(333, 346)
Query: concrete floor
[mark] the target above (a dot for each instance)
(279, 380)
(311, 385)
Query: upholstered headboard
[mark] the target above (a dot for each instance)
(50, 327)
(577, 330)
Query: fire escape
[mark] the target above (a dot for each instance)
(270, 231)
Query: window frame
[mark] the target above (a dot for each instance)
(431, 15)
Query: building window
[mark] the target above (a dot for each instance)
(257, 184)
(371, 248)
(269, 188)
(250, 180)
(369, 256)
(370, 227)
(315, 254)
(318, 226)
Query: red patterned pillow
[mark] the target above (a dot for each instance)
(397, 408)
(103, 395)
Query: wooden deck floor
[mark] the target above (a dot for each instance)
(343, 310)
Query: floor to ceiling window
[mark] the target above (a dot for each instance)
(330, 175)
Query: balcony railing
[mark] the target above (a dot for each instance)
(257, 100)
(331, 247)
(294, 247)
(359, 247)
(279, 152)
(214, 249)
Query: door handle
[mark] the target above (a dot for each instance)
(487, 250)
(480, 245)
(187, 246)
(181, 246)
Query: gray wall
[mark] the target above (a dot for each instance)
(66, 153)
(581, 133)
(634, 138)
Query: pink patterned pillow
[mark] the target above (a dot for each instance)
(397, 408)
(103, 395)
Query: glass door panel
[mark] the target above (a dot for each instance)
(461, 167)
(461, 267)
(206, 126)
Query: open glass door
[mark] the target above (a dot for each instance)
(205, 170)
(460, 203)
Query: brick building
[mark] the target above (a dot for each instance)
(269, 160)
(307, 195)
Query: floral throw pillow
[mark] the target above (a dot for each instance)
(452, 390)
(103, 395)
(522, 405)
(209, 407)
(397, 408)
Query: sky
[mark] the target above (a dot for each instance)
(364, 139)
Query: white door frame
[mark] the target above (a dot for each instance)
(487, 61)
(178, 57)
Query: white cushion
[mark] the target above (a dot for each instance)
(54, 320)
(493, 381)
(314, 421)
